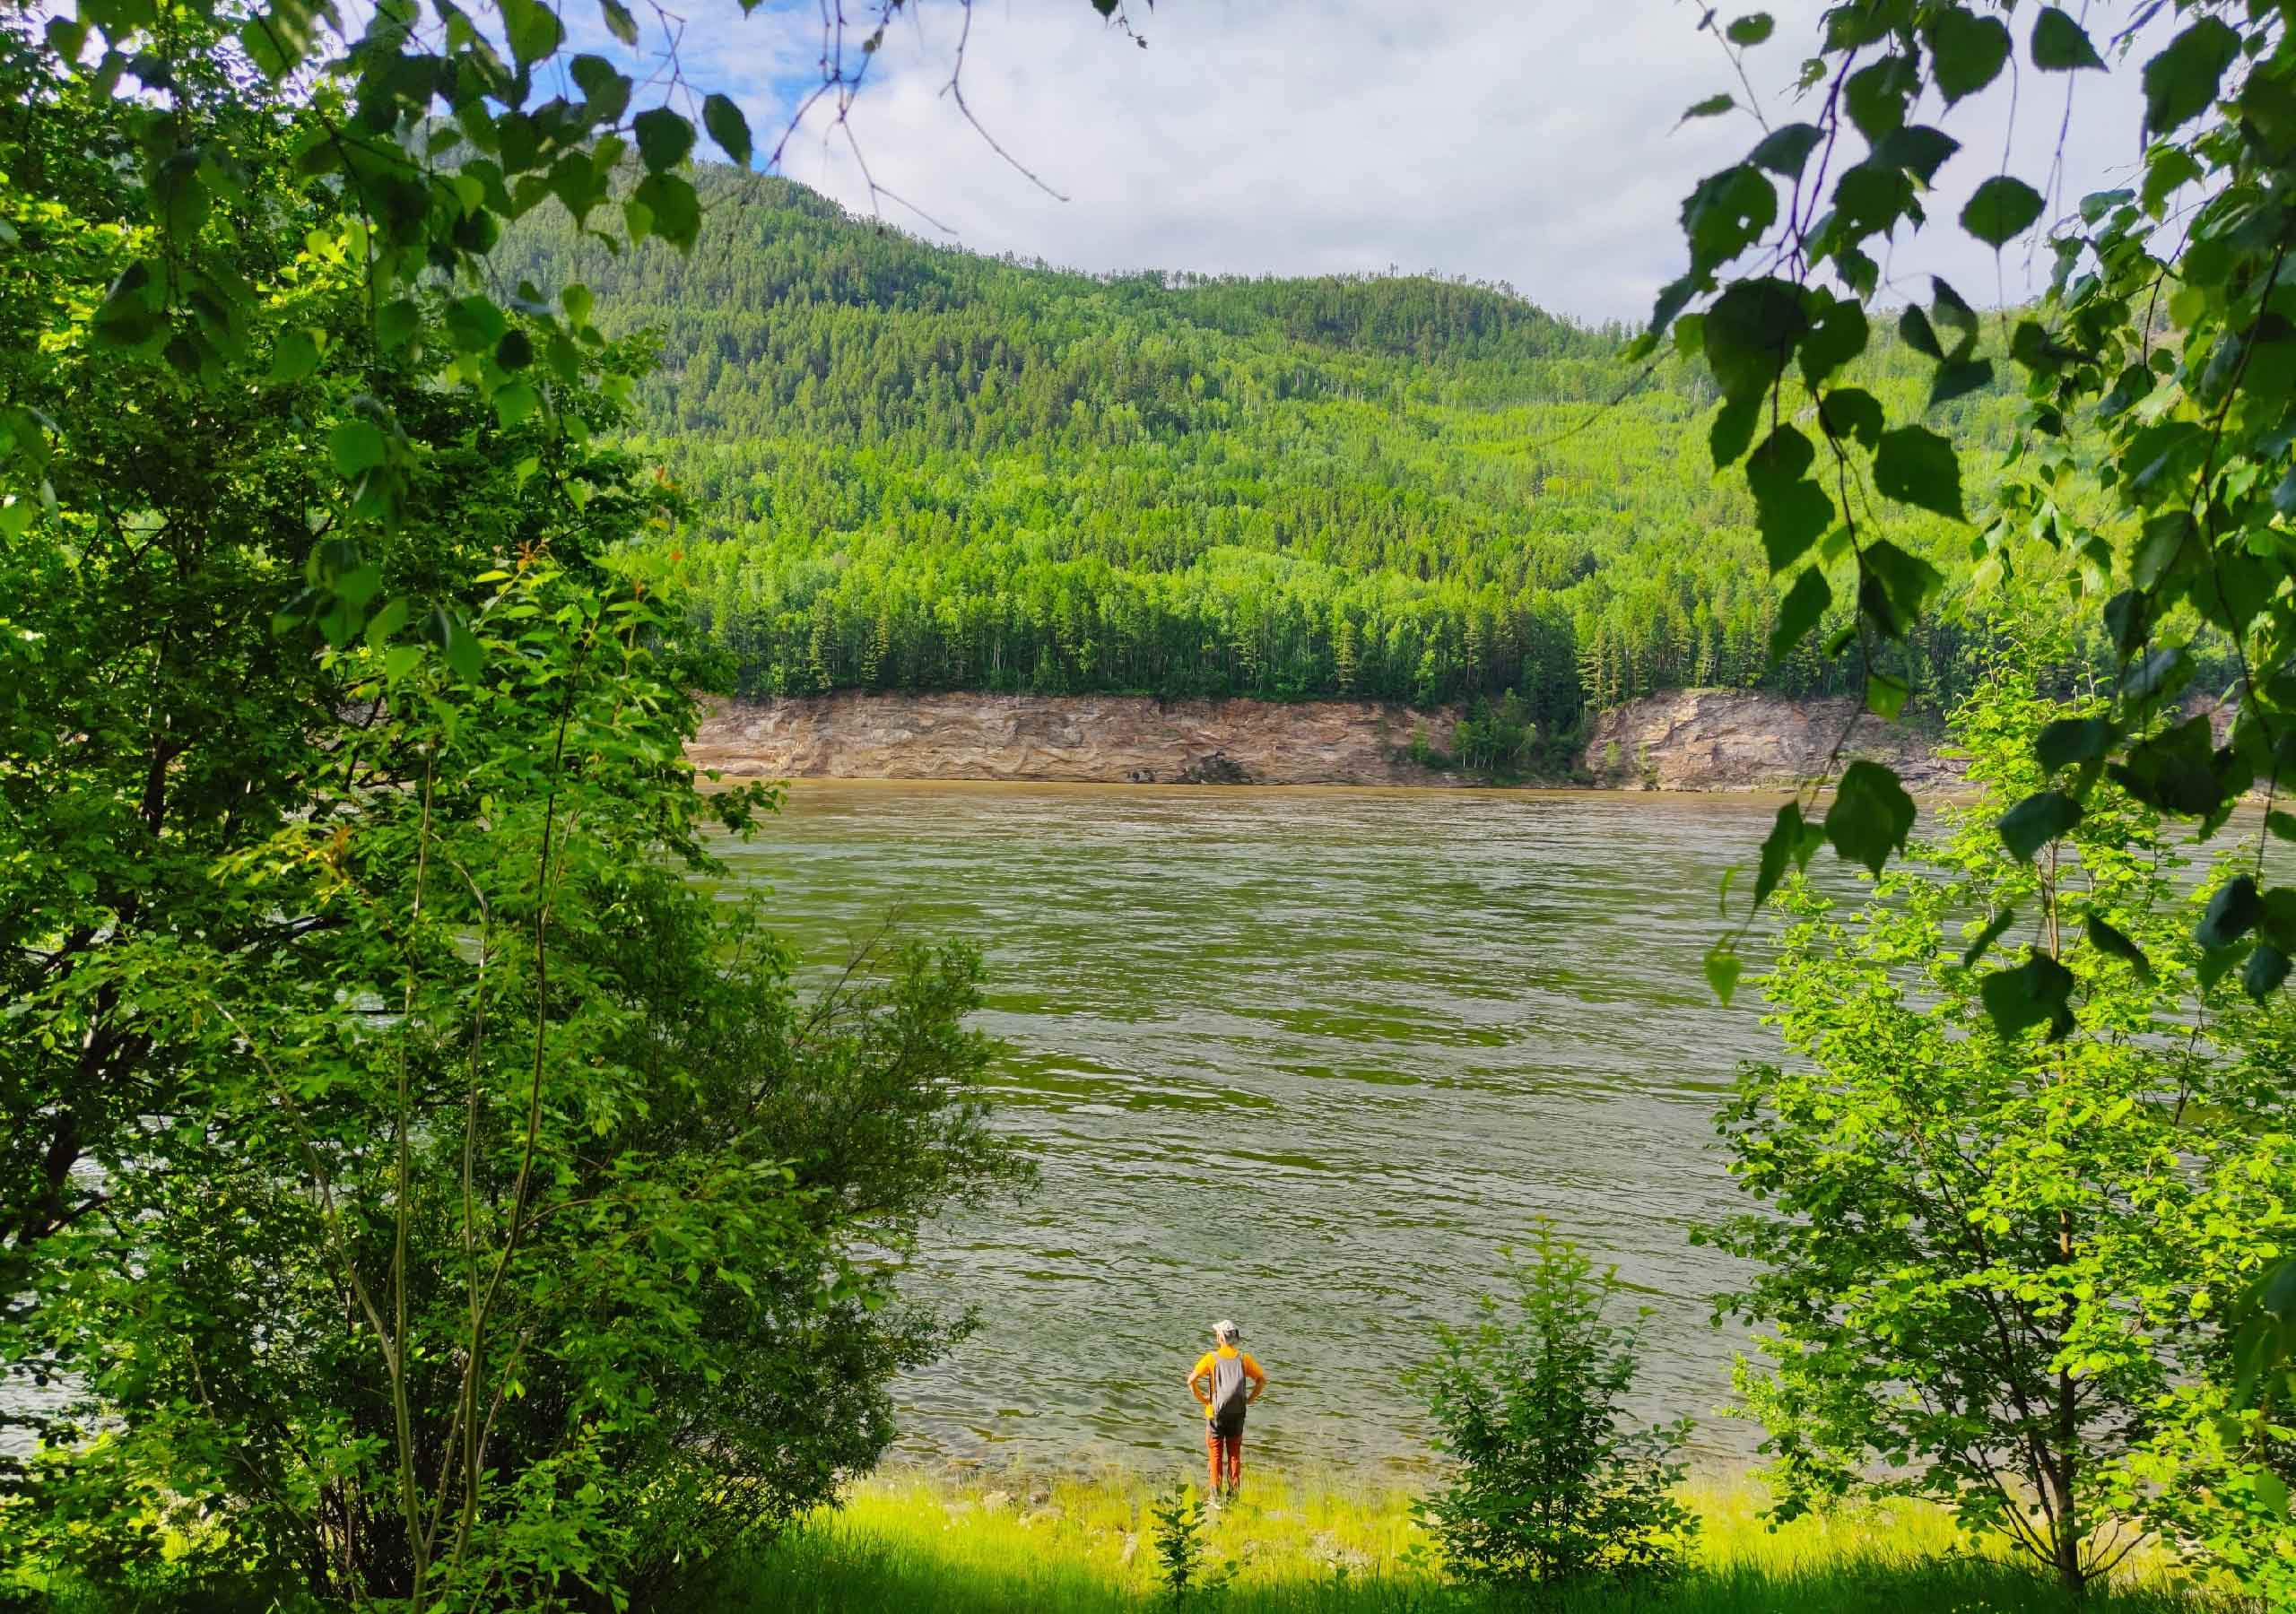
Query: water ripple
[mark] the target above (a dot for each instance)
(1306, 1058)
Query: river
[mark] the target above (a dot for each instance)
(1305, 1058)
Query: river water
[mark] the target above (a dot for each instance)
(1304, 1058)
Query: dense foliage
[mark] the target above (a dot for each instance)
(413, 1190)
(1553, 1486)
(2160, 367)
(2001, 1268)
(918, 467)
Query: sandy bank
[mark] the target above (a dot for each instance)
(1692, 740)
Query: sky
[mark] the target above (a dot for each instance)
(1534, 141)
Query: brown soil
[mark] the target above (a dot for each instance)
(1107, 739)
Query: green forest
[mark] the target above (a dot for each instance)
(914, 467)
(458, 1152)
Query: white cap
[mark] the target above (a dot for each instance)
(1226, 1330)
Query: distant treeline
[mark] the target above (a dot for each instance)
(920, 468)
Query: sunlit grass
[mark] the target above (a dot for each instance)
(1080, 1546)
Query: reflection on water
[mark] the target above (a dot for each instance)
(1304, 1058)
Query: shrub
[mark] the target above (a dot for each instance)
(537, 1243)
(1996, 1270)
(1177, 1538)
(1552, 1485)
(1178, 1546)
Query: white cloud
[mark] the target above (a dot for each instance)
(1533, 141)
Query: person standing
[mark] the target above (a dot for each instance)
(1224, 1381)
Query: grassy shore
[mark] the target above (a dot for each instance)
(1083, 1547)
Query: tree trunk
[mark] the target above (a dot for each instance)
(2062, 1473)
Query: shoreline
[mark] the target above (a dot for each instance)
(1696, 742)
(1302, 1542)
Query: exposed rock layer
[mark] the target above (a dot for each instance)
(1745, 740)
(1106, 739)
(1691, 740)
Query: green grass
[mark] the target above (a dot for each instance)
(1083, 1547)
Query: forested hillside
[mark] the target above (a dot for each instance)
(916, 466)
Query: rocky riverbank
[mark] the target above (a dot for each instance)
(1691, 740)
(1749, 740)
(1085, 739)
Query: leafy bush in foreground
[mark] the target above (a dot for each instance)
(2004, 1219)
(1552, 1487)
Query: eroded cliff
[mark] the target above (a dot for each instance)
(1107, 739)
(1689, 740)
(1749, 740)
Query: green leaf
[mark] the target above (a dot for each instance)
(2278, 925)
(2266, 971)
(1790, 842)
(1916, 150)
(2060, 45)
(1836, 335)
(1871, 197)
(129, 316)
(619, 21)
(1851, 413)
(727, 127)
(2072, 740)
(1915, 329)
(1723, 967)
(2165, 673)
(1751, 332)
(663, 138)
(1895, 587)
(1871, 815)
(181, 196)
(1751, 28)
(357, 446)
(2271, 1490)
(295, 356)
(2036, 993)
(2232, 912)
(119, 17)
(515, 403)
(465, 655)
(2174, 770)
(1967, 51)
(1713, 106)
(2109, 939)
(1953, 380)
(2181, 82)
(1953, 311)
(532, 28)
(675, 209)
(398, 322)
(1786, 151)
(1803, 608)
(1914, 466)
(515, 351)
(2037, 821)
(2282, 824)
(1876, 95)
(1729, 213)
(606, 91)
(386, 623)
(1792, 510)
(1994, 929)
(1886, 694)
(2001, 209)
